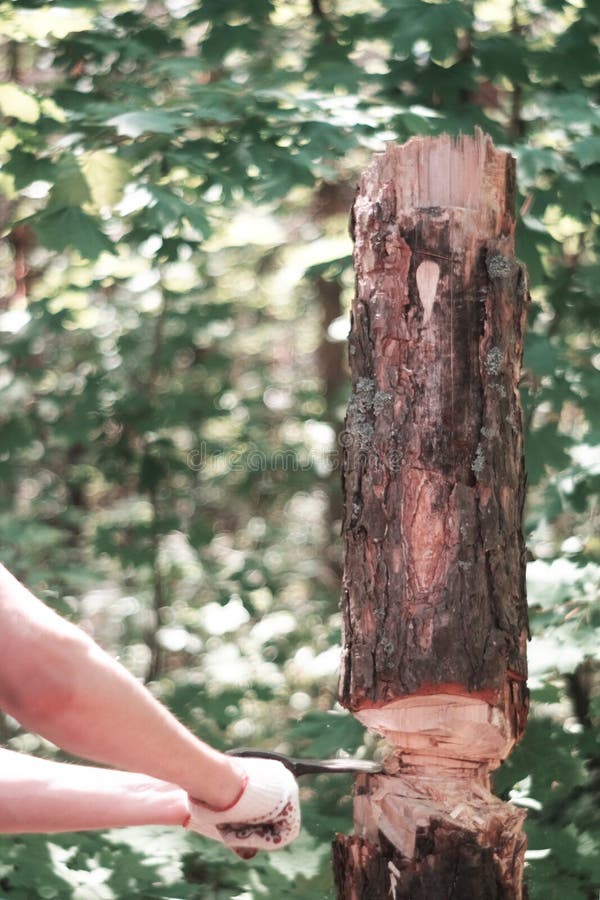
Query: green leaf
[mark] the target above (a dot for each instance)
(545, 448)
(145, 121)
(26, 167)
(542, 355)
(533, 161)
(587, 278)
(331, 269)
(106, 175)
(587, 151)
(303, 859)
(435, 23)
(573, 110)
(70, 187)
(168, 209)
(71, 228)
(18, 103)
(506, 54)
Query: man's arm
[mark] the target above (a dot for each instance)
(56, 681)
(40, 796)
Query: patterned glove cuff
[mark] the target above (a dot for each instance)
(266, 792)
(223, 809)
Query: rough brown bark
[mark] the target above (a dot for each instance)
(434, 609)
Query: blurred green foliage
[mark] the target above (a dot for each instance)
(175, 184)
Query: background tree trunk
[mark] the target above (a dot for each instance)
(434, 608)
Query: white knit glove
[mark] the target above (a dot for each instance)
(265, 817)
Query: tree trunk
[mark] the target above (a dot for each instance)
(433, 604)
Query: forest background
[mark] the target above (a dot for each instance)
(175, 281)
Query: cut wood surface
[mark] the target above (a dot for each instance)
(430, 838)
(434, 608)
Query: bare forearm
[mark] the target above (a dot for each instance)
(57, 681)
(40, 796)
(113, 719)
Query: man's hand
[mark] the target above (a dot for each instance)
(265, 817)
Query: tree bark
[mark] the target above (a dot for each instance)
(433, 603)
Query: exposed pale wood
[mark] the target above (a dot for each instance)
(433, 604)
(429, 838)
(457, 731)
